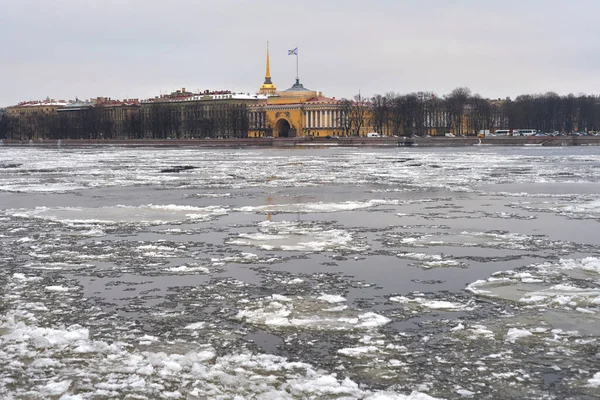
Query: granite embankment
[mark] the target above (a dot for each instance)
(316, 141)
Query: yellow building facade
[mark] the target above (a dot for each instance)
(296, 112)
(44, 107)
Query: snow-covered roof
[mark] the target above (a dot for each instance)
(43, 103)
(201, 97)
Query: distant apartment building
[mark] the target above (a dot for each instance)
(100, 118)
(47, 107)
(184, 115)
(34, 119)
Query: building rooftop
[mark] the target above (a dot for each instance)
(42, 103)
(207, 95)
(322, 99)
(80, 103)
(297, 87)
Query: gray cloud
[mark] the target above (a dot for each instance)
(138, 48)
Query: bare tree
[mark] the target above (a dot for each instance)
(397, 114)
(344, 118)
(380, 111)
(359, 111)
(481, 113)
(5, 125)
(455, 103)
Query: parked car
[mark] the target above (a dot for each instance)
(448, 134)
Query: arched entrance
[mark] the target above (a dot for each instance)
(283, 128)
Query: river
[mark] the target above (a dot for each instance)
(292, 273)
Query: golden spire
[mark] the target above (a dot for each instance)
(268, 74)
(268, 88)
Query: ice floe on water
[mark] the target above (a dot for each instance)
(430, 304)
(428, 261)
(189, 269)
(573, 207)
(146, 214)
(64, 187)
(157, 251)
(57, 288)
(595, 380)
(210, 195)
(136, 364)
(515, 334)
(473, 332)
(298, 236)
(501, 240)
(243, 258)
(568, 284)
(332, 298)
(118, 369)
(305, 313)
(591, 208)
(318, 207)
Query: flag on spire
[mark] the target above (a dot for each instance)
(293, 52)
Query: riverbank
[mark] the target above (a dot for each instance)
(316, 141)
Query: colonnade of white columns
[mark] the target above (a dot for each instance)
(322, 119)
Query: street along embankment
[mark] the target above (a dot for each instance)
(316, 141)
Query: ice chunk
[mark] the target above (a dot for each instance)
(332, 298)
(515, 333)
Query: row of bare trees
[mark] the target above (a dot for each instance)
(153, 121)
(461, 112)
(4, 124)
(91, 123)
(550, 112)
(196, 120)
(415, 113)
(421, 113)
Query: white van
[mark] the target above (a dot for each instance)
(525, 132)
(373, 134)
(502, 132)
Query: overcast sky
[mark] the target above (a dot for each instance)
(140, 48)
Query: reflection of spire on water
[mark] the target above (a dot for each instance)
(298, 200)
(268, 201)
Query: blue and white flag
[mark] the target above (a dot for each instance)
(293, 52)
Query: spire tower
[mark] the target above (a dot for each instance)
(268, 73)
(268, 88)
